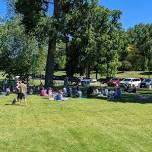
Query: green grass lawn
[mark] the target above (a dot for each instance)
(126, 74)
(129, 74)
(77, 125)
(133, 74)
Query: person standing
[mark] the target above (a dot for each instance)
(66, 82)
(23, 91)
(18, 90)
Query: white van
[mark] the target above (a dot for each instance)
(131, 81)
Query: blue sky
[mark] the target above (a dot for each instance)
(134, 11)
(2, 7)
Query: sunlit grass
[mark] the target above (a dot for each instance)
(76, 125)
(133, 74)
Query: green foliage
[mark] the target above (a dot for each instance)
(140, 36)
(109, 41)
(80, 37)
(39, 60)
(60, 56)
(32, 12)
(126, 66)
(92, 35)
(17, 49)
(96, 39)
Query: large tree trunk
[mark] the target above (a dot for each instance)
(107, 70)
(81, 71)
(50, 63)
(88, 71)
(51, 49)
(96, 73)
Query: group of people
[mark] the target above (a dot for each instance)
(68, 91)
(117, 92)
(61, 94)
(21, 91)
(112, 94)
(130, 88)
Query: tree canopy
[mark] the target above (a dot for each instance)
(79, 37)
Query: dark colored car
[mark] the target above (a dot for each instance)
(114, 82)
(104, 80)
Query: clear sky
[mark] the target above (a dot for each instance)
(2, 7)
(134, 11)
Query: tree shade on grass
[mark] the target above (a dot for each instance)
(86, 125)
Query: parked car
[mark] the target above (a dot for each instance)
(146, 83)
(104, 80)
(114, 82)
(131, 81)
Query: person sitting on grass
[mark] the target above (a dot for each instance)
(43, 92)
(89, 92)
(69, 92)
(79, 92)
(131, 88)
(105, 91)
(50, 93)
(58, 96)
(41, 86)
(65, 93)
(134, 89)
(96, 91)
(74, 91)
(8, 91)
(116, 94)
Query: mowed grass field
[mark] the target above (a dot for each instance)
(126, 74)
(76, 125)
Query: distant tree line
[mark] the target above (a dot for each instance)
(79, 37)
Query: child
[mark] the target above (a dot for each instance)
(65, 93)
(58, 96)
(8, 91)
(50, 93)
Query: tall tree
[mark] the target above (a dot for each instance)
(109, 40)
(16, 49)
(80, 32)
(33, 11)
(140, 38)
